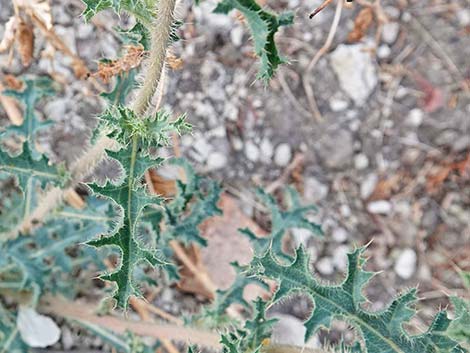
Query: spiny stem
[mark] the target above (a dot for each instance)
(160, 31)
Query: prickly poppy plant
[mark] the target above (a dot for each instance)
(46, 243)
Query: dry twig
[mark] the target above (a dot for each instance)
(329, 40)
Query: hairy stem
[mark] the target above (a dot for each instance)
(160, 32)
(81, 168)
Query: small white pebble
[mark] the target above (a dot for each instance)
(405, 266)
(337, 104)
(340, 235)
(251, 151)
(390, 32)
(415, 117)
(267, 150)
(325, 266)
(384, 51)
(368, 185)
(237, 144)
(283, 154)
(340, 257)
(216, 160)
(361, 161)
(379, 207)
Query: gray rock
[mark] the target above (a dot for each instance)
(216, 160)
(390, 32)
(340, 235)
(336, 149)
(202, 148)
(56, 109)
(67, 338)
(314, 190)
(283, 154)
(405, 266)
(355, 70)
(288, 330)
(340, 257)
(301, 236)
(325, 266)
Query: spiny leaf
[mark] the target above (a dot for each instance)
(263, 27)
(195, 201)
(138, 34)
(130, 195)
(25, 168)
(122, 124)
(33, 91)
(125, 83)
(281, 221)
(141, 9)
(459, 329)
(31, 175)
(40, 257)
(258, 328)
(251, 338)
(213, 314)
(382, 331)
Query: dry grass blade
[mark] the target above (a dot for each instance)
(40, 8)
(9, 34)
(85, 312)
(194, 276)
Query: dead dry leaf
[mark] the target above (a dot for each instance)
(444, 171)
(362, 23)
(174, 62)
(132, 58)
(386, 187)
(225, 243)
(12, 82)
(25, 41)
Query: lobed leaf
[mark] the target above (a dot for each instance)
(141, 9)
(130, 195)
(34, 90)
(281, 221)
(263, 26)
(31, 175)
(382, 331)
(40, 258)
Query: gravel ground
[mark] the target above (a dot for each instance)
(393, 115)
